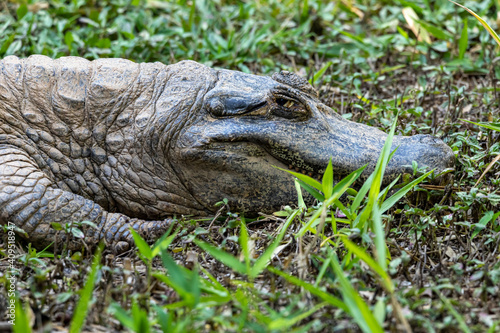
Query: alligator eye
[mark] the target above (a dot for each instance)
(289, 108)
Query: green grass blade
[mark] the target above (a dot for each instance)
(243, 239)
(393, 199)
(358, 309)
(21, 320)
(265, 258)
(379, 174)
(300, 198)
(337, 192)
(122, 315)
(311, 190)
(485, 125)
(483, 22)
(86, 294)
(306, 179)
(379, 231)
(222, 256)
(320, 73)
(363, 255)
(464, 40)
(164, 242)
(144, 248)
(461, 322)
(362, 193)
(327, 180)
(332, 300)
(283, 323)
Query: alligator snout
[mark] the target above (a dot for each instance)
(426, 150)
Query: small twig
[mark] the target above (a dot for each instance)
(487, 169)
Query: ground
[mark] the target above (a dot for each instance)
(441, 268)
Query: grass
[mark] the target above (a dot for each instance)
(425, 258)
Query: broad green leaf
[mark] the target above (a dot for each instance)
(487, 217)
(68, 40)
(21, 11)
(56, 226)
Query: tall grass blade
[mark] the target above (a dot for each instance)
(327, 180)
(393, 199)
(306, 179)
(21, 321)
(483, 22)
(264, 260)
(378, 175)
(358, 309)
(244, 244)
(283, 323)
(222, 256)
(332, 300)
(494, 127)
(461, 322)
(463, 41)
(144, 248)
(337, 192)
(380, 245)
(320, 73)
(86, 294)
(376, 267)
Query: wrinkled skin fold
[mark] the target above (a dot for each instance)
(133, 145)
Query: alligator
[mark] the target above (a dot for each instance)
(124, 144)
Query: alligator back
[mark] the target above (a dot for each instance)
(85, 129)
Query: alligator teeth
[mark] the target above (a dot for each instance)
(288, 104)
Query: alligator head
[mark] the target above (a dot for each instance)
(248, 124)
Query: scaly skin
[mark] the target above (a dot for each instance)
(131, 145)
